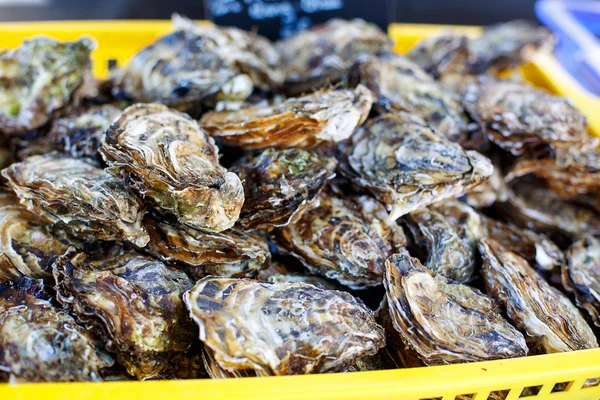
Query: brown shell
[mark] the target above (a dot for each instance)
(407, 166)
(165, 157)
(280, 273)
(39, 343)
(398, 84)
(324, 54)
(445, 53)
(280, 185)
(28, 244)
(547, 317)
(488, 192)
(91, 203)
(330, 115)
(281, 328)
(450, 249)
(444, 321)
(516, 116)
(346, 239)
(38, 79)
(231, 253)
(581, 275)
(79, 134)
(133, 302)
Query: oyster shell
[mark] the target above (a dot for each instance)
(324, 54)
(506, 45)
(488, 192)
(231, 253)
(88, 201)
(279, 273)
(398, 84)
(445, 53)
(38, 79)
(444, 321)
(303, 329)
(517, 116)
(280, 185)
(199, 64)
(164, 156)
(79, 134)
(6, 156)
(39, 343)
(450, 251)
(133, 302)
(28, 244)
(581, 275)
(329, 115)
(407, 166)
(548, 319)
(346, 239)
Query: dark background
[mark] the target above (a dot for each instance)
(469, 12)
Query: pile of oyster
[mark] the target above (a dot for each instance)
(224, 206)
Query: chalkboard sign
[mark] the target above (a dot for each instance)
(282, 18)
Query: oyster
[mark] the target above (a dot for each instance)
(215, 371)
(6, 156)
(506, 45)
(164, 156)
(488, 192)
(346, 239)
(279, 273)
(581, 275)
(28, 244)
(329, 115)
(324, 55)
(304, 329)
(39, 343)
(518, 117)
(450, 250)
(39, 78)
(533, 206)
(79, 134)
(444, 321)
(398, 84)
(199, 64)
(407, 166)
(446, 53)
(548, 319)
(133, 302)
(280, 185)
(88, 201)
(230, 253)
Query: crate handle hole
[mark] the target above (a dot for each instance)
(591, 382)
(465, 396)
(498, 394)
(111, 63)
(561, 387)
(530, 391)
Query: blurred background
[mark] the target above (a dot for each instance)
(274, 18)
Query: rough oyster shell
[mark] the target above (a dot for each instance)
(132, 301)
(39, 78)
(230, 253)
(346, 239)
(398, 84)
(581, 275)
(517, 116)
(303, 329)
(164, 156)
(324, 54)
(198, 64)
(39, 343)
(450, 250)
(407, 166)
(488, 192)
(444, 321)
(27, 243)
(280, 273)
(549, 320)
(445, 53)
(79, 134)
(87, 200)
(280, 185)
(329, 115)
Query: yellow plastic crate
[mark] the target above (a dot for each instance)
(119, 41)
